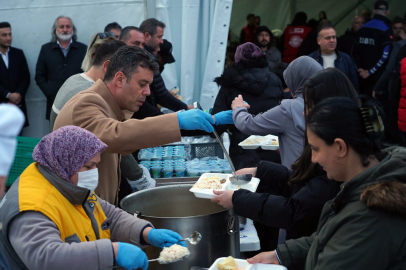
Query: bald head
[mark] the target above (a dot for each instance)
(357, 22)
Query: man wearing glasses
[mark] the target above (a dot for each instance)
(59, 59)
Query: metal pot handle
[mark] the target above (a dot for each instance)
(230, 225)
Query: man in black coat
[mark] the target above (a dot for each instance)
(59, 59)
(14, 73)
(153, 31)
(346, 41)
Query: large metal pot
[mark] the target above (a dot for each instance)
(175, 208)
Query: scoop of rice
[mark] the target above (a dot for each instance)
(208, 183)
(173, 253)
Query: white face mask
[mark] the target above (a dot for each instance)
(88, 179)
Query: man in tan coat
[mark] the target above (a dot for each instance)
(100, 109)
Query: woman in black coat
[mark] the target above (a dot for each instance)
(286, 199)
(261, 89)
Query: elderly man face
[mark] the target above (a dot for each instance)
(327, 40)
(64, 29)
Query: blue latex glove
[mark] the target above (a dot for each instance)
(164, 238)
(195, 119)
(131, 257)
(224, 118)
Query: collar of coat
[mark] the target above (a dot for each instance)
(319, 55)
(55, 45)
(381, 187)
(101, 88)
(74, 194)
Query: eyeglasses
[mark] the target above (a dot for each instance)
(102, 36)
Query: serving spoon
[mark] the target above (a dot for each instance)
(194, 239)
(235, 179)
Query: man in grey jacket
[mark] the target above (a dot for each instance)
(264, 38)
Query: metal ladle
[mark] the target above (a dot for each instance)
(235, 179)
(194, 238)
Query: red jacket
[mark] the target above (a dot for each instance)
(294, 36)
(247, 34)
(402, 102)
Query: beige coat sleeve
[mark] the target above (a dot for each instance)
(93, 114)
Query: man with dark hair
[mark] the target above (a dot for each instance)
(14, 73)
(263, 38)
(59, 59)
(80, 82)
(248, 31)
(102, 108)
(115, 28)
(153, 32)
(397, 28)
(372, 47)
(346, 41)
(329, 57)
(133, 36)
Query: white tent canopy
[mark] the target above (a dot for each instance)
(198, 30)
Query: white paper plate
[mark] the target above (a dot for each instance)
(208, 193)
(243, 264)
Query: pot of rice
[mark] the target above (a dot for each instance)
(175, 208)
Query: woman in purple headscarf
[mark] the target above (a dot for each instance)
(262, 89)
(52, 219)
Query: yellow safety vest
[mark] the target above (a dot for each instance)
(36, 193)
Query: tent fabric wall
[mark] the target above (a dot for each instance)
(198, 32)
(278, 14)
(31, 23)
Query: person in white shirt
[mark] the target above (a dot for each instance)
(328, 55)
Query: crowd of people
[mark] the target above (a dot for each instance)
(332, 196)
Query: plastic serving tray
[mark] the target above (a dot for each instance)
(208, 193)
(266, 146)
(263, 144)
(244, 265)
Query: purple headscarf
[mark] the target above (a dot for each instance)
(247, 52)
(66, 150)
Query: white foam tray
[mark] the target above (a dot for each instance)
(243, 264)
(267, 138)
(208, 193)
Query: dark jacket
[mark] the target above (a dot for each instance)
(15, 79)
(309, 44)
(53, 68)
(296, 208)
(273, 55)
(363, 227)
(370, 44)
(261, 89)
(345, 42)
(159, 95)
(343, 62)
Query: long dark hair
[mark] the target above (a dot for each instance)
(324, 84)
(360, 127)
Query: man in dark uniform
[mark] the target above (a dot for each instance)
(14, 73)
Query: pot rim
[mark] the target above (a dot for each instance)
(164, 187)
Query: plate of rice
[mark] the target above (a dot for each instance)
(172, 254)
(208, 182)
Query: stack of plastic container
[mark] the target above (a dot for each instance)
(197, 167)
(164, 161)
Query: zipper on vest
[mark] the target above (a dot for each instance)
(87, 238)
